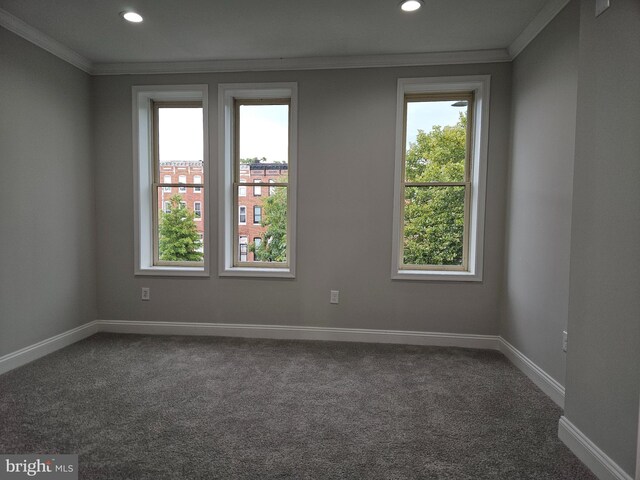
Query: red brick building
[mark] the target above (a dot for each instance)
(257, 177)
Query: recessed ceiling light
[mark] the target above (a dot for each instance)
(131, 17)
(410, 5)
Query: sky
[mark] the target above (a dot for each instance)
(180, 134)
(264, 132)
(424, 115)
(264, 129)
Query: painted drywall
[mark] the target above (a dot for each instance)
(345, 199)
(535, 302)
(48, 276)
(603, 361)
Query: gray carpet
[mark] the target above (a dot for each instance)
(153, 407)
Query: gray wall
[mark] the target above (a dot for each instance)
(345, 199)
(538, 229)
(47, 279)
(603, 362)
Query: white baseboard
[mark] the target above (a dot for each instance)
(45, 347)
(542, 379)
(598, 462)
(285, 332)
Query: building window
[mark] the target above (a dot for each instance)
(257, 241)
(169, 133)
(197, 210)
(257, 190)
(272, 190)
(197, 179)
(257, 214)
(242, 215)
(182, 179)
(440, 178)
(242, 249)
(250, 114)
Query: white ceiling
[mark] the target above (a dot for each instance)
(223, 30)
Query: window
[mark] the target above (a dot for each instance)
(258, 121)
(169, 134)
(182, 179)
(197, 179)
(197, 210)
(272, 190)
(242, 215)
(257, 191)
(242, 190)
(257, 241)
(441, 149)
(243, 249)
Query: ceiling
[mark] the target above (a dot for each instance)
(223, 30)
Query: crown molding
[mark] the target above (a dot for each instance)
(26, 31)
(541, 20)
(308, 63)
(531, 31)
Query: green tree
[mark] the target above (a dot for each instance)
(253, 160)
(273, 247)
(434, 216)
(178, 234)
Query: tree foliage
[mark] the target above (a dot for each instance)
(273, 247)
(434, 215)
(178, 234)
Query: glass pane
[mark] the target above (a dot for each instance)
(181, 226)
(264, 141)
(436, 141)
(265, 219)
(180, 134)
(433, 225)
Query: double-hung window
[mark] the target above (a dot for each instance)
(258, 121)
(441, 150)
(170, 134)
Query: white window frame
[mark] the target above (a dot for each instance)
(480, 86)
(240, 208)
(197, 179)
(227, 215)
(197, 218)
(257, 187)
(142, 97)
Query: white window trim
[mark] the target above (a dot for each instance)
(240, 207)
(196, 217)
(226, 95)
(480, 85)
(143, 174)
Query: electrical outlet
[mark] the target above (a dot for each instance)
(146, 294)
(564, 341)
(334, 296)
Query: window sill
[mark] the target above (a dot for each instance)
(437, 276)
(173, 271)
(257, 272)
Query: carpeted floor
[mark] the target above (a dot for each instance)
(156, 407)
